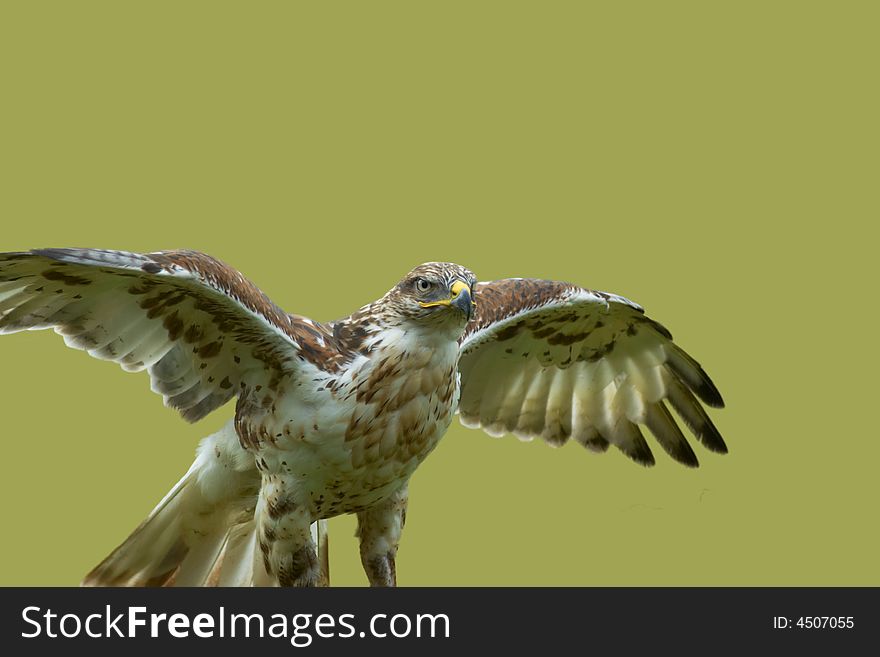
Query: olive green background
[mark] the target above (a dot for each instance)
(717, 164)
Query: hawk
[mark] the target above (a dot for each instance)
(334, 418)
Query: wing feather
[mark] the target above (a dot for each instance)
(533, 411)
(515, 392)
(553, 360)
(693, 415)
(671, 439)
(557, 421)
(628, 438)
(196, 325)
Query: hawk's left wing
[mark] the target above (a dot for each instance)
(552, 360)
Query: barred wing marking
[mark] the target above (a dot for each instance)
(198, 326)
(553, 360)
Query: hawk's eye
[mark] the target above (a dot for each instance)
(422, 285)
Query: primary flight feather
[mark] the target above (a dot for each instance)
(334, 418)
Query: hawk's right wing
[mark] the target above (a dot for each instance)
(198, 326)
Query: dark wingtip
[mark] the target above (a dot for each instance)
(712, 440)
(641, 455)
(695, 417)
(629, 439)
(687, 458)
(708, 392)
(597, 444)
(693, 374)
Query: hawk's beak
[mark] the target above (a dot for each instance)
(461, 298)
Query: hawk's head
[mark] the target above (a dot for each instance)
(434, 294)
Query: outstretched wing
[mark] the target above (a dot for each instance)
(198, 326)
(553, 360)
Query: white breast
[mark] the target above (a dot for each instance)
(349, 447)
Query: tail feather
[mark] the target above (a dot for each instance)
(187, 540)
(203, 532)
(242, 561)
(199, 563)
(151, 556)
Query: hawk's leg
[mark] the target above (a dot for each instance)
(379, 529)
(285, 537)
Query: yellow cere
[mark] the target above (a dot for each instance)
(456, 289)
